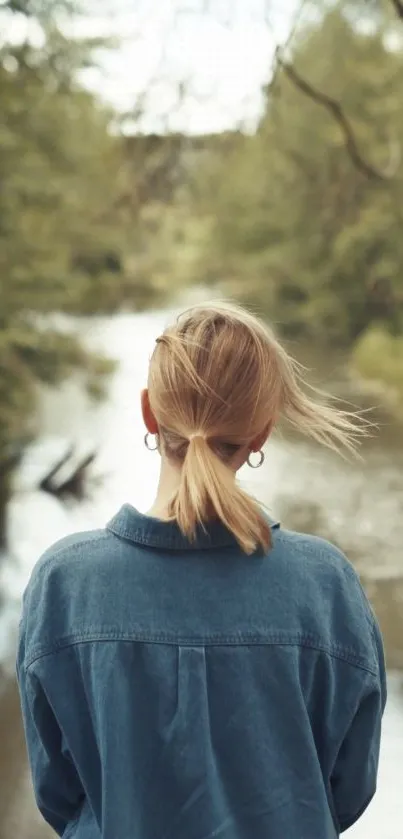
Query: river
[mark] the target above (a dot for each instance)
(359, 505)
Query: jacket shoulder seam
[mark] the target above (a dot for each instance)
(314, 644)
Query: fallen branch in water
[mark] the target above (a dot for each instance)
(75, 484)
(398, 6)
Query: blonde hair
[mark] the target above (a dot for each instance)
(218, 378)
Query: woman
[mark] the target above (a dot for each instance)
(198, 671)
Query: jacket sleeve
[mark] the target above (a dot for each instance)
(58, 791)
(354, 778)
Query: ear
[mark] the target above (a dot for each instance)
(149, 419)
(259, 441)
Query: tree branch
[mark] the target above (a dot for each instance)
(73, 484)
(398, 6)
(337, 112)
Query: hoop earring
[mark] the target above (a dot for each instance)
(147, 442)
(256, 465)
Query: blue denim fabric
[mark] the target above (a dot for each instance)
(177, 691)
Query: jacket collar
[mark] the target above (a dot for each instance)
(129, 524)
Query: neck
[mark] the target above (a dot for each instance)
(168, 485)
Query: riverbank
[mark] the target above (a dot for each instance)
(20, 818)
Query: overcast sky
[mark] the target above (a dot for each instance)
(220, 49)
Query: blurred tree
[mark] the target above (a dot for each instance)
(61, 240)
(298, 226)
(378, 357)
(89, 219)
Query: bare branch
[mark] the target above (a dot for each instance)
(74, 483)
(294, 26)
(398, 6)
(337, 112)
(284, 48)
(46, 482)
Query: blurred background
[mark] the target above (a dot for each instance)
(159, 152)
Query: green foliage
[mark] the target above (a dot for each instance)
(88, 220)
(59, 168)
(61, 245)
(378, 357)
(296, 227)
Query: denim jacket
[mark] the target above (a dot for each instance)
(188, 691)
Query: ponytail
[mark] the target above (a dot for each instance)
(208, 489)
(221, 374)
